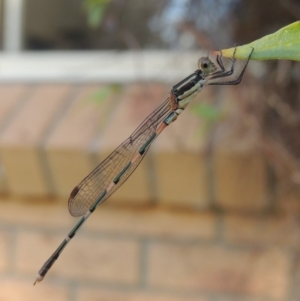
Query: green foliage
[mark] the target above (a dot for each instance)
(282, 44)
(207, 112)
(95, 10)
(209, 115)
(103, 93)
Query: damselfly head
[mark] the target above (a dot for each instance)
(206, 65)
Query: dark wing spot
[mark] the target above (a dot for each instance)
(74, 192)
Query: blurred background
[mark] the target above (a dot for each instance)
(211, 214)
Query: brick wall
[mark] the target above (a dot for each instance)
(190, 224)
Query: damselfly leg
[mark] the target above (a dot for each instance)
(226, 73)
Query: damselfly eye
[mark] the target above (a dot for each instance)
(206, 65)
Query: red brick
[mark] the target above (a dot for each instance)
(179, 163)
(17, 290)
(11, 97)
(295, 291)
(261, 230)
(181, 180)
(181, 160)
(287, 199)
(144, 222)
(154, 223)
(240, 180)
(216, 269)
(40, 213)
(4, 241)
(20, 141)
(96, 259)
(69, 146)
(247, 298)
(136, 104)
(106, 295)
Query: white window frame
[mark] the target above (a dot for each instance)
(17, 65)
(12, 25)
(96, 66)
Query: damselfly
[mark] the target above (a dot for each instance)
(110, 174)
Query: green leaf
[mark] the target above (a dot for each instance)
(283, 44)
